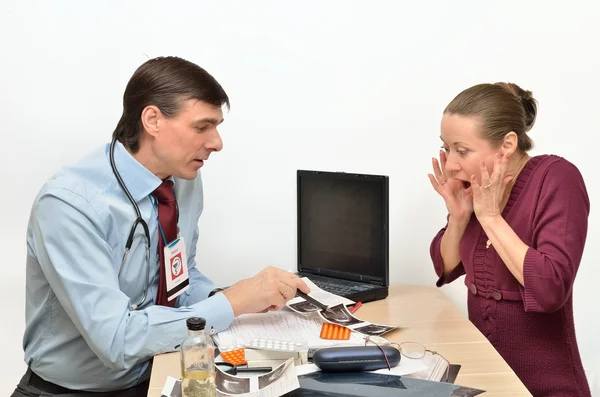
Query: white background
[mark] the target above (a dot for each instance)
(329, 85)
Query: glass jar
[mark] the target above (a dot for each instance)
(197, 361)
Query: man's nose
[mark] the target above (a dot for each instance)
(215, 143)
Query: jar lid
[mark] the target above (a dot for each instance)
(195, 323)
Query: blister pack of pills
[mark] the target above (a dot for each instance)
(278, 345)
(271, 344)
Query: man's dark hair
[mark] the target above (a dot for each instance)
(164, 82)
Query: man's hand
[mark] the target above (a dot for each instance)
(268, 290)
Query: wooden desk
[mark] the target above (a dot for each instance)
(426, 316)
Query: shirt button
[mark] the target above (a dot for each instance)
(473, 289)
(497, 295)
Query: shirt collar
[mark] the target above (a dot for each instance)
(138, 179)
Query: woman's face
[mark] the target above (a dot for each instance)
(465, 148)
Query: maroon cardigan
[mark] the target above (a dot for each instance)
(532, 326)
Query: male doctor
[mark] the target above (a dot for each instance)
(111, 245)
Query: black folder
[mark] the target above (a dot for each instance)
(360, 384)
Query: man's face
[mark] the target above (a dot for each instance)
(185, 141)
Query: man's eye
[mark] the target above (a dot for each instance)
(202, 129)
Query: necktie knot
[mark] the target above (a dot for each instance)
(164, 192)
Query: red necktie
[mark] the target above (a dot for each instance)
(167, 217)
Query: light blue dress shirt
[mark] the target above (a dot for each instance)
(80, 332)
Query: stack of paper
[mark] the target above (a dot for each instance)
(436, 368)
(286, 330)
(284, 326)
(278, 382)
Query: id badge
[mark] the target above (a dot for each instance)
(176, 269)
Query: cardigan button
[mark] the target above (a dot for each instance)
(497, 295)
(473, 289)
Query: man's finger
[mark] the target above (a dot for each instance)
(284, 289)
(301, 285)
(293, 280)
(278, 301)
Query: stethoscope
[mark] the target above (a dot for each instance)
(139, 221)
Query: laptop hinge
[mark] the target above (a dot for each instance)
(348, 277)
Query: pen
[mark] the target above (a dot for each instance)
(312, 300)
(355, 307)
(254, 369)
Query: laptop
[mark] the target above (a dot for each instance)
(343, 235)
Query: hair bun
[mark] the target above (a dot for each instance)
(527, 100)
(530, 106)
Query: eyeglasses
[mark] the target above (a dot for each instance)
(410, 350)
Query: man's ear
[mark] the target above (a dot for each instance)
(510, 143)
(151, 119)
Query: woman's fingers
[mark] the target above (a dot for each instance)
(485, 176)
(434, 183)
(443, 160)
(436, 169)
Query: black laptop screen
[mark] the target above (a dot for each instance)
(342, 224)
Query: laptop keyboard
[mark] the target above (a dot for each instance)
(340, 288)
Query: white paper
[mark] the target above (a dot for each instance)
(300, 305)
(278, 382)
(172, 387)
(434, 367)
(306, 369)
(337, 312)
(340, 315)
(281, 325)
(405, 367)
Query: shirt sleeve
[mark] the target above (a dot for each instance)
(78, 266)
(200, 285)
(435, 252)
(559, 233)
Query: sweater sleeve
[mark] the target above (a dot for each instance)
(560, 225)
(438, 263)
